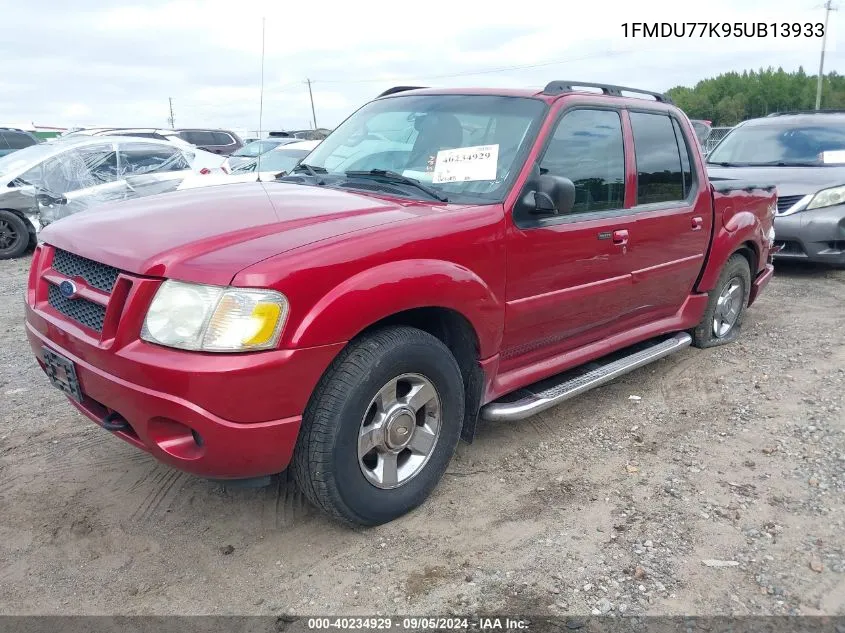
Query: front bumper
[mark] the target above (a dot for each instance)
(816, 236)
(163, 414)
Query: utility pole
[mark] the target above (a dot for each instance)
(170, 120)
(827, 9)
(311, 96)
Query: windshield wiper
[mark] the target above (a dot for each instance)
(724, 164)
(312, 171)
(782, 163)
(398, 178)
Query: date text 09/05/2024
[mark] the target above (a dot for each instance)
(723, 29)
(419, 623)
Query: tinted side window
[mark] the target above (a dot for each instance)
(686, 159)
(143, 158)
(79, 169)
(198, 137)
(15, 140)
(221, 138)
(659, 176)
(587, 148)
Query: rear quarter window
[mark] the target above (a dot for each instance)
(660, 176)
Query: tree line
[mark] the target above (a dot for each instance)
(733, 97)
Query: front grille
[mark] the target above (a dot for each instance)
(784, 202)
(98, 275)
(82, 311)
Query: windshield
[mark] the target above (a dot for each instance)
(256, 147)
(26, 156)
(276, 161)
(778, 144)
(468, 148)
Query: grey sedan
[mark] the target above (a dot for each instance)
(804, 155)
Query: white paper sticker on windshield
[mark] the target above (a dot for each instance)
(465, 164)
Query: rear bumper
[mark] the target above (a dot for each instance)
(183, 434)
(760, 283)
(816, 236)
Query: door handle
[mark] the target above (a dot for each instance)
(697, 223)
(620, 237)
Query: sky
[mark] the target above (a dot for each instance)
(109, 63)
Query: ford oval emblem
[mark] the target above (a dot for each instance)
(68, 289)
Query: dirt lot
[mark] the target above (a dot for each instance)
(608, 503)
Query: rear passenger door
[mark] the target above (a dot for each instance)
(568, 277)
(673, 223)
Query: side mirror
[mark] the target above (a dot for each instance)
(550, 195)
(46, 199)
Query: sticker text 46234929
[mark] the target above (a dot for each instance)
(465, 164)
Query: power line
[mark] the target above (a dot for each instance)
(827, 9)
(474, 72)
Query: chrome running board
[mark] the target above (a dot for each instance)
(532, 399)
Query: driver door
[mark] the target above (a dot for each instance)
(568, 280)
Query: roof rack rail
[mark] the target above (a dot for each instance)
(561, 86)
(788, 112)
(396, 89)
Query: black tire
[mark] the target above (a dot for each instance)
(14, 235)
(326, 462)
(705, 335)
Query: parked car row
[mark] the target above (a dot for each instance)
(266, 166)
(215, 141)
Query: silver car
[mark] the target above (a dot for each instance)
(48, 181)
(803, 153)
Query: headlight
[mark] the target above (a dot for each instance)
(214, 318)
(828, 198)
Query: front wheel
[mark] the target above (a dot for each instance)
(14, 235)
(726, 306)
(381, 426)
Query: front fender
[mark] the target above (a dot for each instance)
(387, 289)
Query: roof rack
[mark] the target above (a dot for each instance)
(561, 86)
(831, 111)
(396, 89)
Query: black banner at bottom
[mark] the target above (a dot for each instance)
(422, 624)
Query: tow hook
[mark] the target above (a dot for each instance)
(114, 422)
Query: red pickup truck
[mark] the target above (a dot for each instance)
(444, 256)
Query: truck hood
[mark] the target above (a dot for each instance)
(790, 181)
(208, 235)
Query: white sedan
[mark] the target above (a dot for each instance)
(265, 167)
(46, 182)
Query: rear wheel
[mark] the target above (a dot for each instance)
(726, 306)
(14, 235)
(381, 426)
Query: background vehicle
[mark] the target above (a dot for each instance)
(13, 139)
(256, 148)
(215, 141)
(443, 256)
(309, 135)
(265, 167)
(48, 181)
(702, 129)
(803, 153)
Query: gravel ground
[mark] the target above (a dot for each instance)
(710, 482)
